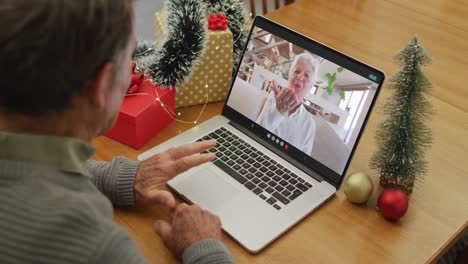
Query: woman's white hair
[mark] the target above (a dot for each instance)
(306, 57)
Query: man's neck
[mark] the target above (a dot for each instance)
(56, 124)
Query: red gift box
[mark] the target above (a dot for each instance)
(142, 116)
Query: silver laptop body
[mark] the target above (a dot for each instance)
(300, 182)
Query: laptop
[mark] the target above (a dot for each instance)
(267, 178)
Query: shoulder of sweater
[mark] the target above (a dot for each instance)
(73, 199)
(70, 213)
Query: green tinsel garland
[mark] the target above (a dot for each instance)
(185, 42)
(180, 52)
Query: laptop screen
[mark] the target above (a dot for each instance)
(310, 104)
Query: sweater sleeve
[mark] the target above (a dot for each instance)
(208, 251)
(115, 179)
(116, 246)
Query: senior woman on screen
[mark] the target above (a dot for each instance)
(284, 113)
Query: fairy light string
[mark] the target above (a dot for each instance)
(172, 114)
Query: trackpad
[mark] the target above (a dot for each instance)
(207, 189)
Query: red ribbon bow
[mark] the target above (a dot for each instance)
(217, 22)
(137, 79)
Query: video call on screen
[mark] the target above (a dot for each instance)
(307, 102)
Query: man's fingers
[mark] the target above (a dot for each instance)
(180, 208)
(163, 229)
(189, 162)
(191, 148)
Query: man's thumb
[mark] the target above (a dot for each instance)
(163, 229)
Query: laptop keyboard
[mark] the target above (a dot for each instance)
(257, 172)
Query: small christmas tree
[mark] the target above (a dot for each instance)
(403, 136)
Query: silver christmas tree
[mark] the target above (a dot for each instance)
(403, 136)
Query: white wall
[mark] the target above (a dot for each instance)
(144, 18)
(362, 117)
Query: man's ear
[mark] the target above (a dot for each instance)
(97, 88)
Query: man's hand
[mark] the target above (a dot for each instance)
(189, 225)
(286, 99)
(153, 173)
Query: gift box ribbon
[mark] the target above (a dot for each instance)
(137, 79)
(217, 22)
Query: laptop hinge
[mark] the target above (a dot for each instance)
(267, 145)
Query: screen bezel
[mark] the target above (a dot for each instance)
(327, 53)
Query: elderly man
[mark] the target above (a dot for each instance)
(65, 71)
(283, 112)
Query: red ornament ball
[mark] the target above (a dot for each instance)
(393, 204)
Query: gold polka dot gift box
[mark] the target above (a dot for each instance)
(211, 79)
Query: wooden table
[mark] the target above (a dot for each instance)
(339, 232)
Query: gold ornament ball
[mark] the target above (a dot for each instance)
(358, 187)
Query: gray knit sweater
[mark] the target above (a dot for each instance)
(51, 213)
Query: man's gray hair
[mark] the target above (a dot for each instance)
(49, 49)
(306, 57)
